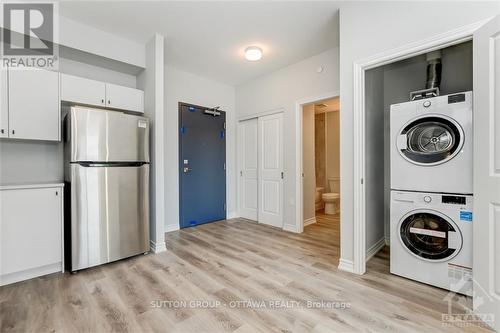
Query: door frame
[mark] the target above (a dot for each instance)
(299, 181)
(179, 153)
(453, 37)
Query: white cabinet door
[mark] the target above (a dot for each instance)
(30, 230)
(124, 98)
(248, 165)
(4, 106)
(271, 170)
(34, 111)
(82, 91)
(486, 232)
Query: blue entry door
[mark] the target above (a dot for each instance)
(202, 165)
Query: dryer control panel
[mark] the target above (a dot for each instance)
(453, 199)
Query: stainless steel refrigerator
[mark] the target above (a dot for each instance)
(107, 179)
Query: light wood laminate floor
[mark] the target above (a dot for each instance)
(230, 263)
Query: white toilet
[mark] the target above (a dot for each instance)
(332, 199)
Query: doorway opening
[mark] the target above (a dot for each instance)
(202, 165)
(321, 164)
(414, 146)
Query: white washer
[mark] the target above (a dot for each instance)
(431, 239)
(431, 144)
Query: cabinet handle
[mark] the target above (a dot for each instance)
(57, 193)
(13, 132)
(102, 101)
(1, 131)
(109, 102)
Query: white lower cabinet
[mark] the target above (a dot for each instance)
(31, 231)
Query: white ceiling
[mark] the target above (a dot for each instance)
(208, 38)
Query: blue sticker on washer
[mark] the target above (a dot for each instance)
(465, 216)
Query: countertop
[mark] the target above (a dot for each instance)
(16, 186)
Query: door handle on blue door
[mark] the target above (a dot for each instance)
(186, 169)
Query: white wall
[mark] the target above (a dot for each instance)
(375, 162)
(82, 37)
(152, 81)
(368, 28)
(308, 161)
(26, 161)
(84, 69)
(281, 90)
(332, 146)
(189, 88)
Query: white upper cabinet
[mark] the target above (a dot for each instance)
(84, 91)
(124, 98)
(4, 106)
(34, 111)
(96, 93)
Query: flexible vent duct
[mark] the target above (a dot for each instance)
(433, 69)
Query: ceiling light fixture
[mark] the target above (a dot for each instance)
(253, 53)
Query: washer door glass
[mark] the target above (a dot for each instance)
(427, 235)
(431, 141)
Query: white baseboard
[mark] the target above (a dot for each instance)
(290, 228)
(309, 221)
(232, 215)
(171, 227)
(157, 247)
(375, 248)
(30, 273)
(346, 265)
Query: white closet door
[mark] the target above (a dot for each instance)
(271, 170)
(486, 243)
(248, 165)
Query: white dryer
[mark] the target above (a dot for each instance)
(431, 144)
(431, 239)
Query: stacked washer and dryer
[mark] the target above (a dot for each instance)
(431, 191)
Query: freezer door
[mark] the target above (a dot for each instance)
(108, 136)
(109, 213)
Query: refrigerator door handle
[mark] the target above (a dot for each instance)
(110, 164)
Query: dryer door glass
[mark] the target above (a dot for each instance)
(431, 141)
(426, 235)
